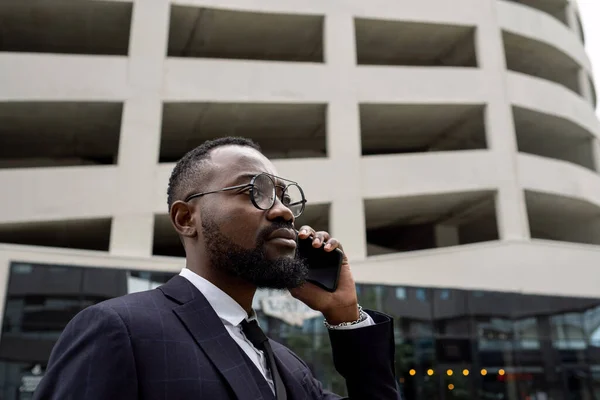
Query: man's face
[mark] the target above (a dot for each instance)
(237, 235)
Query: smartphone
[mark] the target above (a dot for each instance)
(323, 266)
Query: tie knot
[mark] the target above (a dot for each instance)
(255, 335)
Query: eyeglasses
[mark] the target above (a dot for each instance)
(263, 191)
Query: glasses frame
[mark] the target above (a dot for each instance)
(251, 186)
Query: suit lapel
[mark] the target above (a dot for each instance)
(208, 331)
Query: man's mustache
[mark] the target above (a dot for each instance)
(266, 232)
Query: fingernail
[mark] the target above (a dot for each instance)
(303, 232)
(328, 246)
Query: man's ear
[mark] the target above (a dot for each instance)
(184, 219)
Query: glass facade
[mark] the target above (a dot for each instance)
(450, 343)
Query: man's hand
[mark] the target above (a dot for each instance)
(339, 306)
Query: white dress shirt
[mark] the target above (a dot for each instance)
(232, 315)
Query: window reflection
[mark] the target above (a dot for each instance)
(414, 358)
(568, 331)
(577, 383)
(138, 281)
(526, 334)
(595, 381)
(592, 325)
(451, 313)
(497, 345)
(40, 301)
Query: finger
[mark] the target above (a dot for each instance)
(306, 231)
(320, 238)
(332, 244)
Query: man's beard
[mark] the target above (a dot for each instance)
(252, 264)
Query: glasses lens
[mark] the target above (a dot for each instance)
(263, 192)
(293, 199)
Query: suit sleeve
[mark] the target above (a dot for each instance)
(92, 360)
(365, 358)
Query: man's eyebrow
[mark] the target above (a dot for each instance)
(247, 177)
(243, 178)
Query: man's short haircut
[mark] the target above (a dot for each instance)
(193, 165)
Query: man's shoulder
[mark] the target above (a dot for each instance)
(132, 299)
(145, 304)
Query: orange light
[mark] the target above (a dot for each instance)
(412, 372)
(484, 372)
(429, 372)
(501, 372)
(465, 372)
(451, 386)
(449, 372)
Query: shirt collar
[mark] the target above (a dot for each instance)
(228, 310)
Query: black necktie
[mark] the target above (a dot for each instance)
(258, 338)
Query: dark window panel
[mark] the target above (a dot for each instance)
(505, 341)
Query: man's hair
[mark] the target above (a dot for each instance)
(192, 166)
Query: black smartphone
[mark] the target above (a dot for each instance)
(323, 266)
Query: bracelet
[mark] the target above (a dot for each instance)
(362, 316)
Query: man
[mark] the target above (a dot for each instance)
(196, 337)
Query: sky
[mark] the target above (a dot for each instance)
(590, 15)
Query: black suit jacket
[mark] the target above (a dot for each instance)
(168, 343)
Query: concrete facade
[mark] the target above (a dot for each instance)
(518, 210)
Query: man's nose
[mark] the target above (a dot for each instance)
(279, 210)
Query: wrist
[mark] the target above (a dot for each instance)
(342, 315)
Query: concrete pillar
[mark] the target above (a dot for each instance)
(132, 226)
(595, 143)
(511, 211)
(347, 222)
(585, 83)
(5, 263)
(132, 235)
(572, 19)
(446, 235)
(573, 22)
(585, 86)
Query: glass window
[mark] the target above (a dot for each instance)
(40, 301)
(457, 382)
(568, 332)
(493, 326)
(592, 329)
(451, 314)
(530, 382)
(595, 381)
(400, 293)
(22, 269)
(493, 319)
(492, 383)
(370, 297)
(498, 345)
(526, 333)
(577, 382)
(415, 315)
(415, 367)
(138, 281)
(567, 326)
(19, 380)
